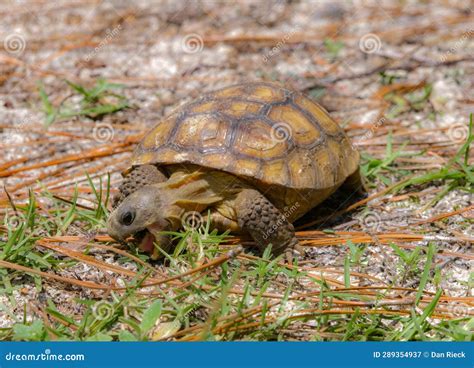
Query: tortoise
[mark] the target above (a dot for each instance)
(254, 157)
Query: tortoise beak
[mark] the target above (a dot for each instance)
(115, 230)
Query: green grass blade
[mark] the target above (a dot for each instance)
(426, 272)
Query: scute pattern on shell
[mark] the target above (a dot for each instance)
(257, 130)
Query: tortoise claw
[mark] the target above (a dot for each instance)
(293, 252)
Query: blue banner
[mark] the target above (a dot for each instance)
(237, 354)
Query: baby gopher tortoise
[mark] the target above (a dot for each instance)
(255, 156)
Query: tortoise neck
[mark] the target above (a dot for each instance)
(186, 192)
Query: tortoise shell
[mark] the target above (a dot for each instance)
(259, 131)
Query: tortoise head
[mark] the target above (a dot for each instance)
(140, 215)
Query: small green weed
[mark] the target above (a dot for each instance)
(95, 102)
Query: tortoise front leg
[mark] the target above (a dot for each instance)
(266, 224)
(137, 178)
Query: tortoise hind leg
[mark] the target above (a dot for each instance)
(137, 178)
(266, 224)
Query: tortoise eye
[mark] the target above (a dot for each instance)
(127, 218)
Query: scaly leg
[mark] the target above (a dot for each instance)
(266, 224)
